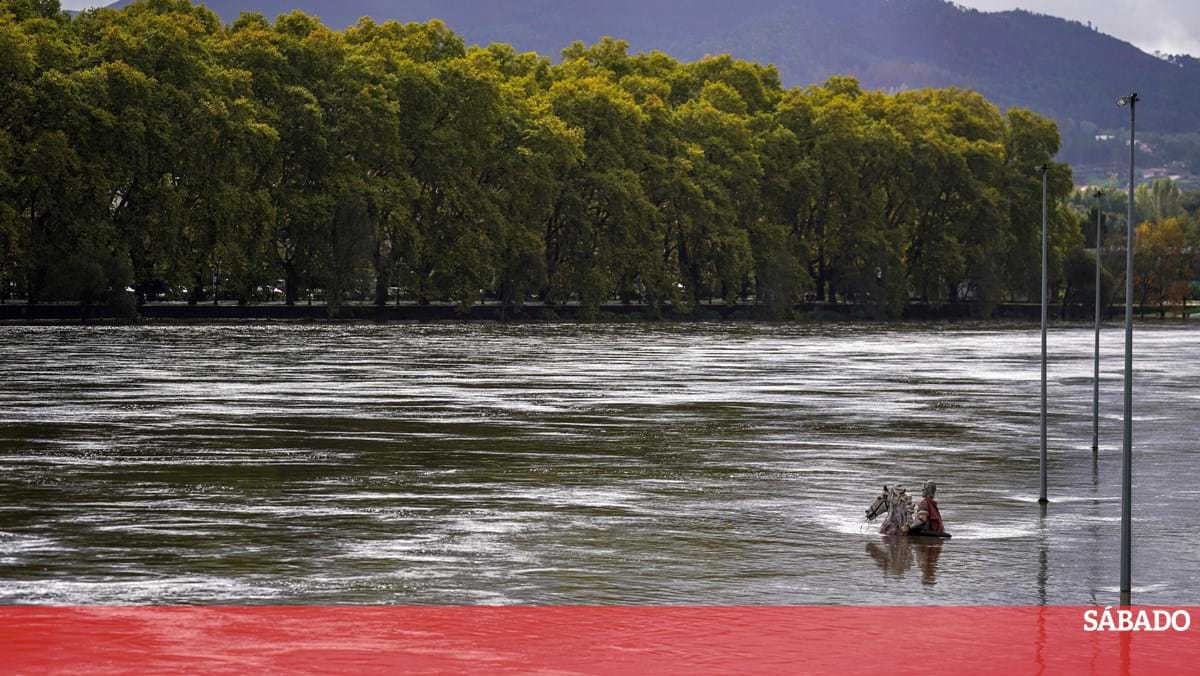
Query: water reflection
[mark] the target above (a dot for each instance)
(895, 555)
(1094, 532)
(1043, 575)
(1126, 652)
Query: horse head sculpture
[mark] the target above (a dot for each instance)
(897, 504)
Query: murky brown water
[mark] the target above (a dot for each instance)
(680, 464)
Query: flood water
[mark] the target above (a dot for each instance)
(568, 464)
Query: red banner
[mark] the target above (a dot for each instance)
(597, 640)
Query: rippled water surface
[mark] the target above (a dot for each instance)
(559, 464)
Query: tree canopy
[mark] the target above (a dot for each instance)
(154, 149)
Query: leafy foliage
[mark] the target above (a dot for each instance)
(1064, 69)
(152, 147)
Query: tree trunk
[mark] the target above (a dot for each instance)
(289, 270)
(382, 280)
(821, 273)
(197, 293)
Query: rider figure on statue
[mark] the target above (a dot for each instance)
(927, 520)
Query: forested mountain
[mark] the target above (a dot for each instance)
(1060, 68)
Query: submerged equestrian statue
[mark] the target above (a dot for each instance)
(928, 520)
(902, 518)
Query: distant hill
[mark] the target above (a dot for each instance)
(1057, 67)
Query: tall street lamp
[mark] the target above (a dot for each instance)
(1096, 375)
(1127, 436)
(1045, 295)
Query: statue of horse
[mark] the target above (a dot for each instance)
(898, 505)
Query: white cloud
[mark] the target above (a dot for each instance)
(80, 4)
(1171, 26)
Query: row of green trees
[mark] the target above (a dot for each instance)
(154, 149)
(1166, 245)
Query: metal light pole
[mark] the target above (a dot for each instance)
(1096, 375)
(1127, 436)
(1045, 295)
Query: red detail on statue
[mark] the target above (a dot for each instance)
(934, 524)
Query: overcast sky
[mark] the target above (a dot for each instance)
(1171, 26)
